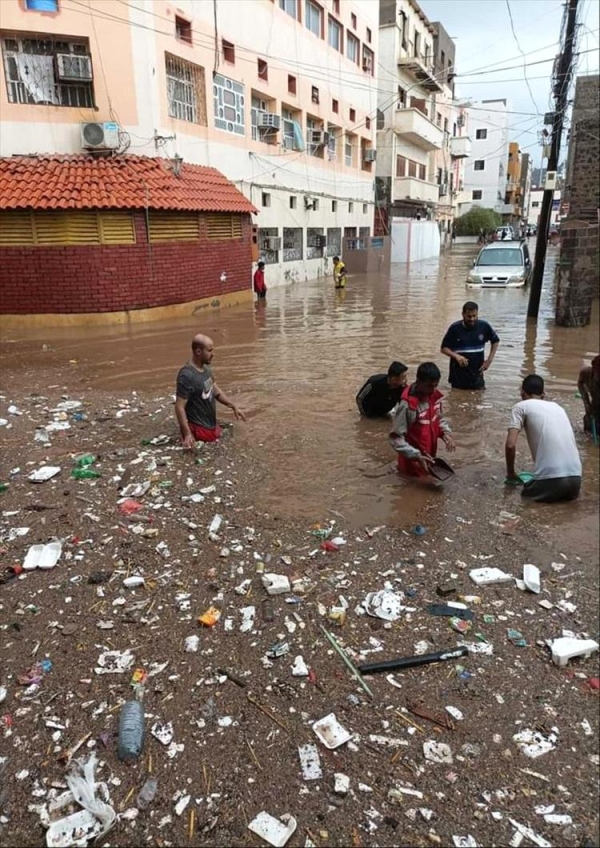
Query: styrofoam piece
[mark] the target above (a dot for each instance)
(248, 614)
(530, 833)
(467, 841)
(42, 556)
(531, 578)
(163, 731)
(330, 731)
(489, 576)
(276, 584)
(555, 818)
(215, 524)
(275, 832)
(299, 668)
(192, 643)
(437, 752)
(341, 784)
(455, 713)
(46, 472)
(566, 648)
(385, 604)
(535, 744)
(134, 581)
(310, 762)
(78, 829)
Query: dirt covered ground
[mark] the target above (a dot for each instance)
(235, 740)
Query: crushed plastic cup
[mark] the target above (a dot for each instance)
(331, 733)
(275, 832)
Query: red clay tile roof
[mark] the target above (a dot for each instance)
(122, 182)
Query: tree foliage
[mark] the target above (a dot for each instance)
(477, 219)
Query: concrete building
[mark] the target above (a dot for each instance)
(536, 198)
(526, 172)
(486, 169)
(421, 138)
(577, 269)
(278, 95)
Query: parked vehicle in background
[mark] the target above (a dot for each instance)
(502, 264)
(504, 233)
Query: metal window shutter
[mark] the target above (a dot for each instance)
(66, 228)
(173, 226)
(116, 228)
(16, 228)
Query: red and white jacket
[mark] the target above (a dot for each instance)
(418, 424)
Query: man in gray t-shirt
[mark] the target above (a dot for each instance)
(196, 396)
(557, 473)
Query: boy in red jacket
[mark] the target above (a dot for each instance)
(419, 423)
(260, 288)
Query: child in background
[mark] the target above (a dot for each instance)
(260, 288)
(339, 273)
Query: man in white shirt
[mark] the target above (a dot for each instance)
(557, 473)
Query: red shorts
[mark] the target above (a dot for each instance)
(205, 434)
(410, 467)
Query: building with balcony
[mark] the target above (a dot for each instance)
(280, 98)
(421, 134)
(485, 172)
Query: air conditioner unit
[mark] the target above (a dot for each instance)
(443, 189)
(460, 121)
(367, 64)
(369, 154)
(550, 183)
(272, 244)
(100, 136)
(317, 137)
(269, 120)
(70, 66)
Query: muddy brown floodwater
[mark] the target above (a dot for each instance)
(295, 363)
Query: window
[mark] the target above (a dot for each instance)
(315, 205)
(173, 226)
(314, 94)
(228, 52)
(314, 242)
(368, 61)
(290, 7)
(265, 199)
(440, 176)
(350, 207)
(365, 208)
(422, 172)
(335, 106)
(186, 92)
(353, 20)
(369, 35)
(334, 205)
(292, 243)
(183, 29)
(263, 69)
(438, 119)
(260, 106)
(293, 201)
(64, 228)
(445, 125)
(481, 134)
(479, 165)
(334, 35)
(352, 48)
(221, 227)
(352, 115)
(41, 5)
(314, 137)
(292, 137)
(269, 253)
(401, 163)
(443, 59)
(336, 6)
(228, 100)
(291, 84)
(334, 241)
(314, 18)
(401, 97)
(412, 168)
(416, 43)
(348, 151)
(334, 132)
(48, 71)
(477, 194)
(534, 205)
(367, 123)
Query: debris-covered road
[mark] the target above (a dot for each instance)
(443, 753)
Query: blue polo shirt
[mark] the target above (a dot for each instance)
(468, 342)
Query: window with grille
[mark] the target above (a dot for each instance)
(221, 227)
(228, 100)
(269, 254)
(479, 165)
(292, 244)
(186, 92)
(48, 71)
(60, 228)
(314, 243)
(173, 226)
(334, 241)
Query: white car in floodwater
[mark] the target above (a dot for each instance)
(502, 265)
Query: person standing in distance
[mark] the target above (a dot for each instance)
(589, 389)
(196, 396)
(382, 392)
(557, 473)
(339, 273)
(465, 343)
(260, 288)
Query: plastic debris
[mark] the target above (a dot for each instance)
(437, 752)
(43, 474)
(114, 662)
(276, 584)
(331, 733)
(464, 841)
(310, 762)
(531, 578)
(386, 605)
(567, 648)
(275, 832)
(341, 784)
(147, 793)
(210, 617)
(410, 662)
(516, 637)
(489, 576)
(42, 556)
(299, 668)
(535, 744)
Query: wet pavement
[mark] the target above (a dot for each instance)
(296, 362)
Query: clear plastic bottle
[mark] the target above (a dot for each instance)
(146, 793)
(131, 727)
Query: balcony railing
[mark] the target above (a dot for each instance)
(420, 72)
(460, 147)
(418, 129)
(413, 189)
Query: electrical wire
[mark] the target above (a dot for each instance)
(520, 49)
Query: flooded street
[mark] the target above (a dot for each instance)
(296, 362)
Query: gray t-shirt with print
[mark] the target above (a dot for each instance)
(197, 387)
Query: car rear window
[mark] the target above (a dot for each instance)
(505, 256)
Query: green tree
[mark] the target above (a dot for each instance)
(475, 220)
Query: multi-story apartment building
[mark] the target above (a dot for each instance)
(278, 95)
(421, 137)
(526, 171)
(485, 171)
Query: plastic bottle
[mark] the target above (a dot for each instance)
(146, 793)
(85, 459)
(85, 473)
(131, 727)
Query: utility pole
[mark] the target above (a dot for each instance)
(561, 91)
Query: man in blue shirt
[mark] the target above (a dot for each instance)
(464, 343)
